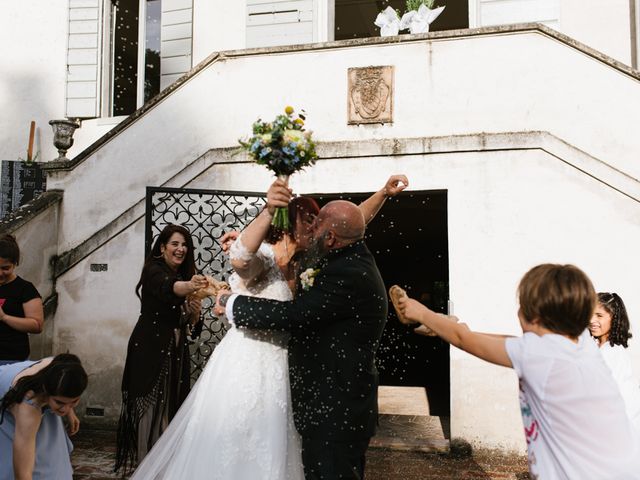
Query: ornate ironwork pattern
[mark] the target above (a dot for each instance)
(207, 214)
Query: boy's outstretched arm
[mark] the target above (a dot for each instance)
(487, 347)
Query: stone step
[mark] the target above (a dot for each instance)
(405, 423)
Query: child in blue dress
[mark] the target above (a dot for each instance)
(35, 395)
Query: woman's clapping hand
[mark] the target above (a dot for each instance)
(197, 282)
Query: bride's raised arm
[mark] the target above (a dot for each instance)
(243, 253)
(372, 205)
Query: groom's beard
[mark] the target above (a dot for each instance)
(310, 257)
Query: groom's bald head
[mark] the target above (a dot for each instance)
(341, 223)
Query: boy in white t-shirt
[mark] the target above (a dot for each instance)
(573, 414)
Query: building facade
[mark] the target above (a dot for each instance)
(515, 121)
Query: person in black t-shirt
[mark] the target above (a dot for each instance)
(21, 311)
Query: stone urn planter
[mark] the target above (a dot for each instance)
(63, 137)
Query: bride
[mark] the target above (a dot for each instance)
(237, 422)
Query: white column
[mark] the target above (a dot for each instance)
(474, 13)
(324, 20)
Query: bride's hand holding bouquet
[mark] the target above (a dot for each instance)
(278, 196)
(284, 147)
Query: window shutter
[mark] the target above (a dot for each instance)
(176, 40)
(283, 22)
(82, 58)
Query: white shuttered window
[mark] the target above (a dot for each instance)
(83, 58)
(176, 46)
(283, 22)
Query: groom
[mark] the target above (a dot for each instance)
(335, 325)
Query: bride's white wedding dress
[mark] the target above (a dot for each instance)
(237, 422)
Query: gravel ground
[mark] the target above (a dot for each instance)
(95, 450)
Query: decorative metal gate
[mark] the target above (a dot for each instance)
(207, 214)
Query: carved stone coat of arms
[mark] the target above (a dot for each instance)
(370, 95)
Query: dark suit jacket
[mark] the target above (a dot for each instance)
(335, 328)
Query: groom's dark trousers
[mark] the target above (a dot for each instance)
(324, 459)
(335, 328)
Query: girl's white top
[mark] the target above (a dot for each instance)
(618, 360)
(574, 417)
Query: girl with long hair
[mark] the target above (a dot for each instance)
(35, 395)
(611, 329)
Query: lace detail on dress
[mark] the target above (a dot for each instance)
(268, 284)
(239, 252)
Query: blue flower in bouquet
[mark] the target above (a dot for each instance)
(284, 147)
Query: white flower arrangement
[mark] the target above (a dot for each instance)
(419, 14)
(308, 277)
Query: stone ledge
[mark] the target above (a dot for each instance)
(26, 212)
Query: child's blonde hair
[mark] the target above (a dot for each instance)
(560, 297)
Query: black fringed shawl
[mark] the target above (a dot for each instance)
(152, 354)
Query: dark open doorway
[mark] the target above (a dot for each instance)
(354, 18)
(410, 243)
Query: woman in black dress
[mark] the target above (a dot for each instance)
(21, 311)
(156, 375)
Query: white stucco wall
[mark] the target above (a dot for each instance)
(605, 26)
(38, 241)
(90, 131)
(33, 82)
(96, 314)
(495, 83)
(218, 25)
(507, 211)
(33, 35)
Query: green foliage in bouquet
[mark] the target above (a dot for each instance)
(415, 4)
(284, 147)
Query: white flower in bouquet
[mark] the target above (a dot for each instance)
(266, 138)
(292, 136)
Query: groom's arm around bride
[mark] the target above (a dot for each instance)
(335, 324)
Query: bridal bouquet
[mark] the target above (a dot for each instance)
(284, 147)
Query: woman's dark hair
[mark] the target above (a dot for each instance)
(620, 333)
(299, 206)
(188, 267)
(9, 249)
(63, 377)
